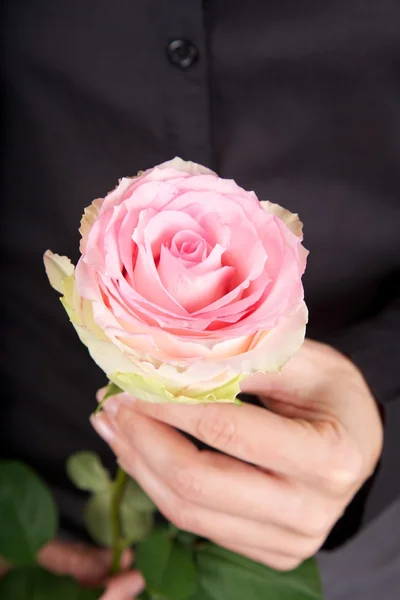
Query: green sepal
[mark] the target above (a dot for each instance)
(112, 389)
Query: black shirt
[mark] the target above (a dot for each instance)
(298, 101)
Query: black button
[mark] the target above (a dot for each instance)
(182, 53)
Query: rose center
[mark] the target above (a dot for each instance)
(189, 246)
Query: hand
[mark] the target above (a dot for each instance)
(90, 566)
(287, 473)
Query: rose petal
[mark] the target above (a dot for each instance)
(185, 166)
(189, 246)
(58, 268)
(274, 347)
(192, 291)
(290, 219)
(88, 219)
(162, 228)
(147, 283)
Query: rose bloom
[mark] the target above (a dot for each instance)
(186, 284)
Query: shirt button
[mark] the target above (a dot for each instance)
(182, 53)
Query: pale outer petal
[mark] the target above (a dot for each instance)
(89, 217)
(173, 387)
(186, 166)
(290, 219)
(58, 268)
(269, 355)
(275, 347)
(104, 353)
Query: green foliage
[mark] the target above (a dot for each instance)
(136, 497)
(167, 566)
(28, 514)
(97, 517)
(203, 571)
(136, 524)
(87, 473)
(175, 564)
(201, 594)
(35, 583)
(111, 390)
(228, 576)
(136, 509)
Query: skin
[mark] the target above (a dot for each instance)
(90, 566)
(282, 477)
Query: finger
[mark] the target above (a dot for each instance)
(124, 587)
(78, 560)
(294, 448)
(221, 483)
(207, 523)
(85, 563)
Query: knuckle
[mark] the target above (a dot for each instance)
(310, 546)
(320, 523)
(186, 484)
(215, 430)
(342, 468)
(182, 517)
(283, 563)
(310, 517)
(340, 477)
(291, 564)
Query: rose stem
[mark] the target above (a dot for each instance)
(117, 543)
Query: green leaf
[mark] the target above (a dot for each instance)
(167, 567)
(35, 583)
(111, 390)
(97, 517)
(180, 577)
(136, 524)
(187, 538)
(228, 576)
(201, 594)
(135, 496)
(87, 473)
(152, 557)
(28, 514)
(89, 594)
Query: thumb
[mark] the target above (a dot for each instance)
(85, 563)
(124, 586)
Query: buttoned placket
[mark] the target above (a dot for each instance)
(185, 83)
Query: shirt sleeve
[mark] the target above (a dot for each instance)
(374, 346)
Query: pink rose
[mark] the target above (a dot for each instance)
(186, 284)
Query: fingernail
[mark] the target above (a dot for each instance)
(104, 426)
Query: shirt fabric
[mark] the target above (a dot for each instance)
(298, 101)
